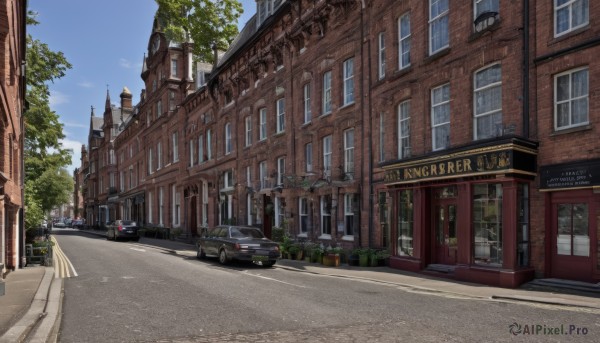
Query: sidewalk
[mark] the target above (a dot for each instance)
(32, 300)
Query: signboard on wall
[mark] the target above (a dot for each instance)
(583, 174)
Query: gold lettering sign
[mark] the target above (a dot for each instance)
(474, 164)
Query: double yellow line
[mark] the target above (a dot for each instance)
(63, 268)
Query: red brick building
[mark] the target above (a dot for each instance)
(12, 96)
(433, 129)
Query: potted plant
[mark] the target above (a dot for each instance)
(332, 257)
(317, 254)
(293, 251)
(284, 246)
(363, 257)
(382, 257)
(308, 250)
(353, 257)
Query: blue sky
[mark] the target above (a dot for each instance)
(105, 41)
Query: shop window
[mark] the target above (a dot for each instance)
(384, 219)
(573, 230)
(405, 223)
(523, 225)
(487, 224)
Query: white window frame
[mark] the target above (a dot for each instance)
(158, 155)
(571, 98)
(192, 152)
(306, 103)
(438, 25)
(176, 207)
(349, 143)
(208, 144)
(326, 215)
(308, 157)
(248, 125)
(568, 6)
(483, 6)
(262, 174)
(262, 115)
(280, 115)
(161, 204)
(326, 96)
(487, 89)
(348, 214)
(228, 143)
(175, 144)
(404, 129)
(150, 162)
(381, 55)
(280, 170)
(440, 104)
(348, 75)
(327, 155)
(303, 213)
(404, 36)
(200, 149)
(150, 207)
(174, 65)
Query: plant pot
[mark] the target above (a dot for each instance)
(331, 260)
(300, 255)
(363, 260)
(316, 258)
(373, 261)
(307, 258)
(353, 260)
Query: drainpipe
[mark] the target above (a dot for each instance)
(370, 164)
(526, 69)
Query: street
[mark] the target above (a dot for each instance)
(126, 291)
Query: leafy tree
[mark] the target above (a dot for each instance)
(206, 22)
(47, 183)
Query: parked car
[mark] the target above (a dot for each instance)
(59, 225)
(77, 224)
(122, 229)
(241, 243)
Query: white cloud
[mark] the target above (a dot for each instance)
(57, 98)
(75, 147)
(86, 84)
(82, 126)
(127, 64)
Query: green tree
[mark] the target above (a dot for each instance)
(47, 183)
(206, 22)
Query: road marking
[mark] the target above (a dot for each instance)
(137, 249)
(62, 265)
(271, 279)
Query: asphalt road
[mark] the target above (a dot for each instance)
(128, 292)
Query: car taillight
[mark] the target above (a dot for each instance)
(236, 246)
(276, 248)
(120, 228)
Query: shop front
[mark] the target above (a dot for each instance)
(464, 212)
(572, 202)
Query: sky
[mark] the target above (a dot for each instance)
(105, 41)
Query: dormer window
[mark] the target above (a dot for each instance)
(264, 8)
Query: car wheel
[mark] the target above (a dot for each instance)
(222, 257)
(268, 264)
(137, 239)
(200, 253)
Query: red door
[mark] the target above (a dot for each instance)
(444, 223)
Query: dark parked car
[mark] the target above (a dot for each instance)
(241, 243)
(122, 229)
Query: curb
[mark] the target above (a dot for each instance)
(36, 312)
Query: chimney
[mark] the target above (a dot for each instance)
(126, 99)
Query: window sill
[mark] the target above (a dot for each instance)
(325, 115)
(350, 104)
(581, 128)
(325, 236)
(302, 235)
(348, 238)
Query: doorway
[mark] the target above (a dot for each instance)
(444, 225)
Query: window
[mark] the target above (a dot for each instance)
(523, 225)
(348, 81)
(192, 152)
(327, 149)
(158, 109)
(303, 211)
(349, 204)
(571, 99)
(381, 57)
(306, 102)
(160, 206)
(308, 157)
(326, 215)
(176, 206)
(262, 174)
(209, 144)
(228, 144)
(171, 100)
(158, 155)
(573, 230)
(484, 6)
(381, 137)
(175, 142)
(228, 179)
(200, 148)
(262, 124)
(488, 102)
(349, 153)
(570, 15)
(248, 121)
(326, 93)
(438, 25)
(440, 117)
(279, 211)
(150, 162)
(280, 115)
(122, 181)
(174, 67)
(280, 170)
(405, 223)
(150, 219)
(487, 223)
(404, 130)
(404, 44)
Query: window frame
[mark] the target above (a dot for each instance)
(280, 118)
(326, 97)
(434, 127)
(569, 4)
(306, 103)
(381, 55)
(404, 37)
(571, 98)
(486, 88)
(228, 140)
(262, 118)
(248, 135)
(348, 77)
(436, 19)
(349, 149)
(327, 144)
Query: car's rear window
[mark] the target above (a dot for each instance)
(246, 233)
(128, 222)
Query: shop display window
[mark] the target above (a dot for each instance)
(487, 224)
(405, 223)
